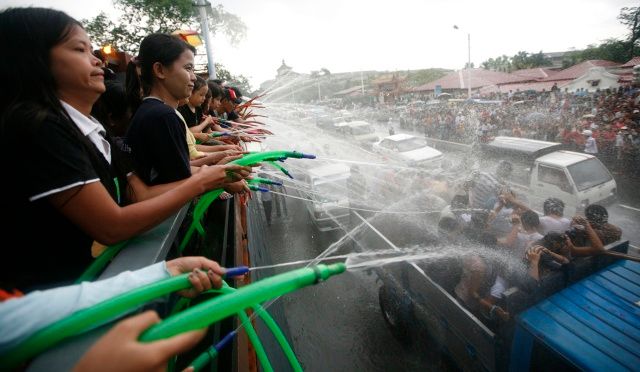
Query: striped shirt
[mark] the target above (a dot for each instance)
(485, 187)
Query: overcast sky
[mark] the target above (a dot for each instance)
(349, 35)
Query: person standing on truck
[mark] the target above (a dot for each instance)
(553, 220)
(485, 188)
(598, 218)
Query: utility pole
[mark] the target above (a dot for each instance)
(361, 83)
(469, 65)
(204, 25)
(468, 60)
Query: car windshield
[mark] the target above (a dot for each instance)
(589, 173)
(330, 191)
(410, 144)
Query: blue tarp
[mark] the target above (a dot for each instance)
(594, 324)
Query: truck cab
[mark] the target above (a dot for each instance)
(543, 170)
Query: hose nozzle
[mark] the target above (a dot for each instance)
(258, 188)
(235, 271)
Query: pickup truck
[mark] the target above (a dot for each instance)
(543, 170)
(584, 317)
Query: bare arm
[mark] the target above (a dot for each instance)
(596, 246)
(510, 239)
(91, 208)
(507, 197)
(533, 256)
(560, 258)
(216, 148)
(213, 158)
(201, 127)
(140, 191)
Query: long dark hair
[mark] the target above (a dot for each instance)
(162, 48)
(133, 86)
(28, 97)
(215, 89)
(27, 36)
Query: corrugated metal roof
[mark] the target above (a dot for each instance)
(632, 62)
(580, 69)
(595, 323)
(525, 146)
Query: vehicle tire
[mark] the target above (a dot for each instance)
(396, 314)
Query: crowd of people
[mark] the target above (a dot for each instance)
(521, 248)
(95, 160)
(610, 117)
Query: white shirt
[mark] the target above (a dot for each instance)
(551, 224)
(590, 147)
(23, 316)
(525, 240)
(91, 128)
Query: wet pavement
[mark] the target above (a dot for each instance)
(336, 325)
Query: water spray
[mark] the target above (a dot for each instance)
(247, 160)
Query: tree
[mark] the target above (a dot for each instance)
(630, 17)
(519, 61)
(538, 60)
(239, 81)
(611, 50)
(143, 17)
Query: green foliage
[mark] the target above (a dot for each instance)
(519, 61)
(420, 77)
(239, 81)
(143, 17)
(612, 49)
(502, 64)
(630, 17)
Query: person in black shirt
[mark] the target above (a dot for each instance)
(157, 135)
(228, 103)
(66, 187)
(158, 143)
(192, 112)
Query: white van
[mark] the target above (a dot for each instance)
(328, 189)
(409, 149)
(547, 171)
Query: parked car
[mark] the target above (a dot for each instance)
(360, 132)
(329, 122)
(327, 187)
(409, 149)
